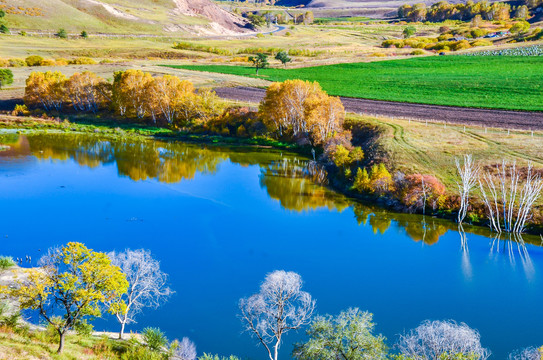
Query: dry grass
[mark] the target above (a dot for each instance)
(417, 147)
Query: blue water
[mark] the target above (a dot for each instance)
(220, 219)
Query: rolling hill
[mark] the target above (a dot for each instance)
(200, 17)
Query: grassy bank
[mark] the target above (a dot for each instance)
(493, 82)
(128, 130)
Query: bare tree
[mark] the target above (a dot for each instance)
(529, 353)
(433, 340)
(184, 350)
(147, 284)
(279, 307)
(469, 173)
(510, 197)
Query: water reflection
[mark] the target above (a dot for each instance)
(287, 178)
(502, 246)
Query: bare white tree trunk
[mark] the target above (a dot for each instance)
(468, 173)
(513, 197)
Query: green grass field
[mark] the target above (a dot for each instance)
(491, 82)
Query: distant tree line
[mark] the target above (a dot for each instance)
(444, 10)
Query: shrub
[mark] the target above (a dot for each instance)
(460, 45)
(48, 62)
(4, 63)
(444, 29)
(259, 35)
(20, 110)
(83, 328)
(6, 262)
(61, 62)
(482, 42)
(62, 34)
(137, 352)
(154, 338)
(409, 31)
(378, 54)
(520, 27)
(17, 63)
(477, 33)
(6, 77)
(33, 60)
(418, 52)
(84, 34)
(23, 33)
(4, 29)
(83, 61)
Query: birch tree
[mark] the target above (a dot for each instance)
(84, 91)
(184, 350)
(436, 340)
(147, 284)
(279, 306)
(509, 196)
(468, 173)
(297, 107)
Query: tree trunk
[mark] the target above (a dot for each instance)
(121, 333)
(61, 342)
(276, 350)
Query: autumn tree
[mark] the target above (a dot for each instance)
(301, 108)
(362, 182)
(87, 91)
(260, 61)
(147, 284)
(130, 92)
(419, 191)
(46, 90)
(380, 179)
(522, 12)
(72, 284)
(170, 97)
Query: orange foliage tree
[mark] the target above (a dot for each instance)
(419, 191)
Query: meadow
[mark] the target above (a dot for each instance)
(495, 82)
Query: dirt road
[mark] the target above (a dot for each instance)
(449, 114)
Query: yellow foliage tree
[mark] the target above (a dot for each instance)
(362, 181)
(166, 94)
(45, 90)
(131, 91)
(297, 107)
(74, 282)
(380, 179)
(87, 91)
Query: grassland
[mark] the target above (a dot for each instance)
(430, 148)
(493, 82)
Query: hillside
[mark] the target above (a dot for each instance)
(199, 17)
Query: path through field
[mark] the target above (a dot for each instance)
(449, 114)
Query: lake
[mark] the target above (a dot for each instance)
(219, 219)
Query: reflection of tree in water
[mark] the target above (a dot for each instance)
(289, 182)
(427, 230)
(138, 159)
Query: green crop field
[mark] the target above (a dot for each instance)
(501, 82)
